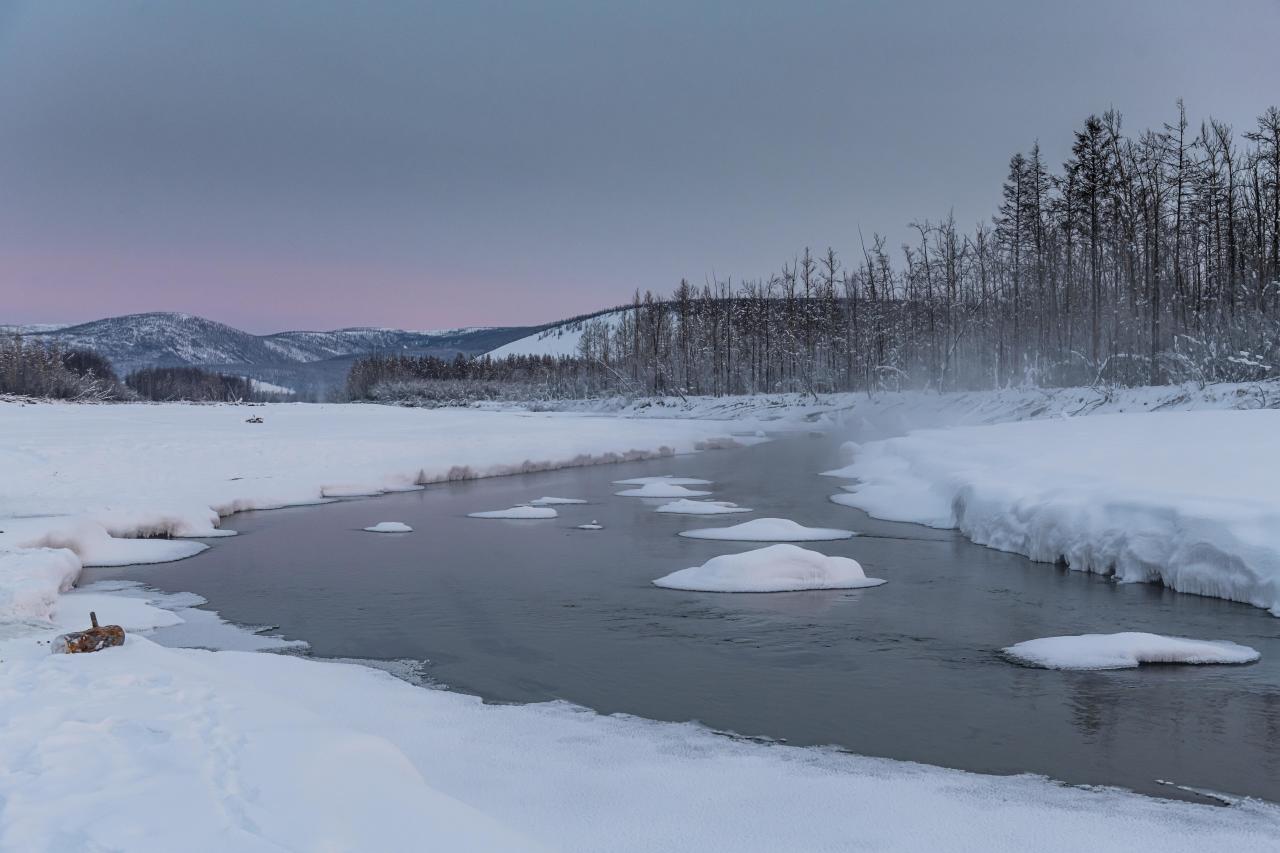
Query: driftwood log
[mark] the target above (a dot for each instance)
(94, 639)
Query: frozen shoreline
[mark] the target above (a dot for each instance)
(1185, 499)
(213, 745)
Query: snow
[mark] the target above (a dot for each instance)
(150, 748)
(516, 512)
(1126, 650)
(775, 568)
(389, 527)
(768, 530)
(562, 339)
(660, 490)
(666, 479)
(1186, 499)
(594, 525)
(688, 507)
(209, 751)
(552, 501)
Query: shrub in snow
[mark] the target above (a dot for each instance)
(688, 507)
(768, 530)
(517, 512)
(390, 527)
(1125, 650)
(776, 568)
(661, 490)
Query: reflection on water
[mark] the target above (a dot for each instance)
(533, 610)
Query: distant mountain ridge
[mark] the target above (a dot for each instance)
(305, 360)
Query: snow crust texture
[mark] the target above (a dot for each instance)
(776, 568)
(768, 530)
(1125, 651)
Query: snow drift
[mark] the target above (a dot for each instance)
(1125, 650)
(775, 568)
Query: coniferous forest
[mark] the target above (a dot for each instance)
(1145, 258)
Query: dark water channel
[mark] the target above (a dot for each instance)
(526, 611)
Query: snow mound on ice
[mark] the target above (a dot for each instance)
(389, 527)
(775, 568)
(592, 526)
(665, 478)
(550, 501)
(661, 490)
(1125, 650)
(688, 507)
(768, 530)
(516, 512)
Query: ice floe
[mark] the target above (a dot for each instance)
(517, 512)
(550, 501)
(768, 530)
(389, 527)
(594, 525)
(1125, 650)
(774, 568)
(666, 478)
(688, 507)
(661, 490)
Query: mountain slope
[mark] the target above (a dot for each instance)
(299, 359)
(559, 338)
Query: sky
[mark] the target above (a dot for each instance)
(314, 164)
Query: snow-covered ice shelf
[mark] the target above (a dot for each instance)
(1125, 650)
(768, 530)
(688, 507)
(1187, 499)
(775, 568)
(389, 527)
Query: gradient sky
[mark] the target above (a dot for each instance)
(317, 164)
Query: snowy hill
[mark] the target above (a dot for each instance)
(298, 359)
(560, 338)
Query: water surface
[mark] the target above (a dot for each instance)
(527, 611)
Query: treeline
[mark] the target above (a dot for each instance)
(1143, 259)
(191, 384)
(36, 369)
(41, 369)
(428, 380)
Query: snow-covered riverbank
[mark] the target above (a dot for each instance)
(236, 751)
(1187, 499)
